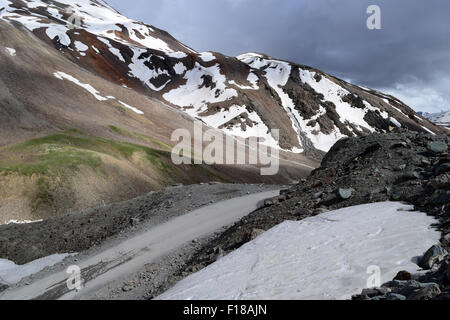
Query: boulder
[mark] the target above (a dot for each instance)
(301, 212)
(256, 233)
(345, 193)
(441, 197)
(134, 221)
(438, 146)
(428, 292)
(395, 297)
(434, 255)
(3, 286)
(403, 276)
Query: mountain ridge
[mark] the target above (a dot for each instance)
(244, 96)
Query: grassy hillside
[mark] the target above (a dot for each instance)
(70, 170)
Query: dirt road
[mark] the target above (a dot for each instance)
(108, 264)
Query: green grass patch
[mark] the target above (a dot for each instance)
(151, 140)
(57, 162)
(67, 151)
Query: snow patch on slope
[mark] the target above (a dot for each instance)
(195, 94)
(207, 56)
(87, 87)
(252, 78)
(140, 70)
(11, 51)
(320, 258)
(257, 129)
(131, 108)
(12, 273)
(98, 19)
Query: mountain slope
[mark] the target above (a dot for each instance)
(244, 96)
(71, 140)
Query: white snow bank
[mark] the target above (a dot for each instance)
(12, 273)
(88, 87)
(11, 51)
(322, 257)
(23, 221)
(131, 108)
(207, 56)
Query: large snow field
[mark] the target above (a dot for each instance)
(321, 257)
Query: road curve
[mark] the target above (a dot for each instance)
(112, 263)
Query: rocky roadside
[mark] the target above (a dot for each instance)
(398, 166)
(434, 284)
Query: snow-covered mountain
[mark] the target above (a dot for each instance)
(246, 96)
(441, 118)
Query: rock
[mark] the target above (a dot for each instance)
(134, 221)
(317, 195)
(442, 168)
(177, 185)
(301, 212)
(445, 269)
(446, 240)
(413, 289)
(441, 182)
(256, 233)
(3, 286)
(441, 197)
(403, 276)
(428, 292)
(434, 255)
(395, 297)
(395, 196)
(320, 210)
(370, 293)
(402, 144)
(345, 193)
(127, 288)
(438, 146)
(270, 202)
(359, 297)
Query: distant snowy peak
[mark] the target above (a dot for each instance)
(324, 109)
(441, 118)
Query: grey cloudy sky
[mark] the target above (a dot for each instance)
(409, 57)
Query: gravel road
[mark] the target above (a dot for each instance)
(107, 268)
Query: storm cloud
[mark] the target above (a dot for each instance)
(409, 57)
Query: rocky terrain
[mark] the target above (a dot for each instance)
(79, 231)
(398, 166)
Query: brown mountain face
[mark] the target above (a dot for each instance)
(90, 98)
(69, 143)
